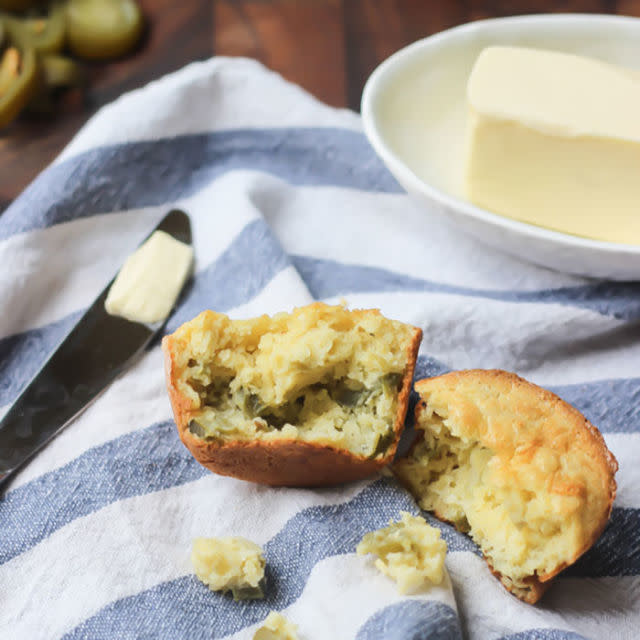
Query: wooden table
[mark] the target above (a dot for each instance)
(327, 46)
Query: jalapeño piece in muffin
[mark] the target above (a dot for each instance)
(525, 474)
(311, 398)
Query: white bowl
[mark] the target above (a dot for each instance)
(414, 112)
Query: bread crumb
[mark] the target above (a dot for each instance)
(276, 627)
(230, 564)
(409, 551)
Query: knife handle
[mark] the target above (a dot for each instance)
(96, 351)
(42, 409)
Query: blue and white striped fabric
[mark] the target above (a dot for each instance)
(289, 204)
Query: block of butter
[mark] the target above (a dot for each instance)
(147, 286)
(554, 140)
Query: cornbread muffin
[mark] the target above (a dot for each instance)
(514, 466)
(276, 627)
(311, 398)
(230, 564)
(409, 551)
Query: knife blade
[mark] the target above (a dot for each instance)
(97, 350)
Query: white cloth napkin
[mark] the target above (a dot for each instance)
(288, 204)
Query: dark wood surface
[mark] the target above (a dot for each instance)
(329, 47)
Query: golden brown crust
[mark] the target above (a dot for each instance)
(531, 594)
(280, 462)
(286, 461)
(599, 453)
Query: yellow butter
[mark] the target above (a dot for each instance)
(229, 564)
(276, 627)
(150, 280)
(409, 551)
(554, 140)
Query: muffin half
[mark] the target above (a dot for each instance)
(525, 474)
(315, 397)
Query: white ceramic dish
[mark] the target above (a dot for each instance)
(413, 109)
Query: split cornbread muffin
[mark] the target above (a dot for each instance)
(525, 474)
(315, 397)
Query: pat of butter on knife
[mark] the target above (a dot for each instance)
(554, 140)
(147, 286)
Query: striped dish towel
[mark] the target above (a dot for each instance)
(288, 204)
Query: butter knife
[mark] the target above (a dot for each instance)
(96, 351)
